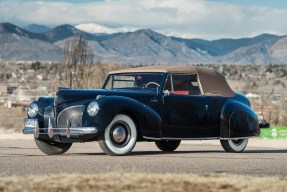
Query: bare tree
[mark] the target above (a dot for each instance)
(77, 63)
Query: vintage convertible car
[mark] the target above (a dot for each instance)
(160, 103)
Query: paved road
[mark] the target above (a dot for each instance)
(21, 157)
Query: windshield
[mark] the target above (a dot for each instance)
(149, 81)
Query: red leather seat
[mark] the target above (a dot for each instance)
(181, 92)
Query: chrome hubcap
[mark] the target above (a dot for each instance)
(119, 134)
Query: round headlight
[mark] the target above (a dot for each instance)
(32, 110)
(93, 108)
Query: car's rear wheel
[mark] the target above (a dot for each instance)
(119, 137)
(234, 145)
(167, 145)
(52, 148)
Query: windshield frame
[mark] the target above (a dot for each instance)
(159, 90)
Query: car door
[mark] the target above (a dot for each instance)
(186, 113)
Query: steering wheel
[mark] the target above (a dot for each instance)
(151, 83)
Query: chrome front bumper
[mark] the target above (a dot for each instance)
(60, 131)
(52, 131)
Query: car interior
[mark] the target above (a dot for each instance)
(183, 84)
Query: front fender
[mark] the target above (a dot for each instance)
(148, 121)
(238, 120)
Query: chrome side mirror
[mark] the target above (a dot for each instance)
(166, 92)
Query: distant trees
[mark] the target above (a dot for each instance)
(77, 63)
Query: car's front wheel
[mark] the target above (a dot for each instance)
(119, 137)
(52, 148)
(167, 145)
(234, 145)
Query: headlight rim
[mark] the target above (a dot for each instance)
(95, 105)
(35, 107)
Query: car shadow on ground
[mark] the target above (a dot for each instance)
(267, 151)
(3, 148)
(138, 153)
(146, 153)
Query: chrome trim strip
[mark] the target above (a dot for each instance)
(222, 138)
(204, 138)
(169, 138)
(151, 138)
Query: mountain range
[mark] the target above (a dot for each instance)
(144, 46)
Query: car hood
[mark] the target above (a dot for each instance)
(67, 95)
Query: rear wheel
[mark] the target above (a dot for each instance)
(52, 148)
(234, 145)
(119, 137)
(167, 145)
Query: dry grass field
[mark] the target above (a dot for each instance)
(126, 182)
(11, 119)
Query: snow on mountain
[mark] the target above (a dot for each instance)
(101, 29)
(96, 28)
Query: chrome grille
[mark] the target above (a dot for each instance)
(72, 116)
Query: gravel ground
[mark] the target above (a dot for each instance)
(141, 182)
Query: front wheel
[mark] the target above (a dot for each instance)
(119, 137)
(234, 145)
(167, 145)
(52, 148)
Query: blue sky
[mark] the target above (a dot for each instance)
(209, 19)
(280, 4)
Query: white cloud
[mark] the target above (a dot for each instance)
(191, 18)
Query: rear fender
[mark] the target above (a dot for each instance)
(238, 120)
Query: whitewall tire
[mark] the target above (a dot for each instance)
(120, 136)
(234, 145)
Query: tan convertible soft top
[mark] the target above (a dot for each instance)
(212, 83)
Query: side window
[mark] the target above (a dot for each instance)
(183, 84)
